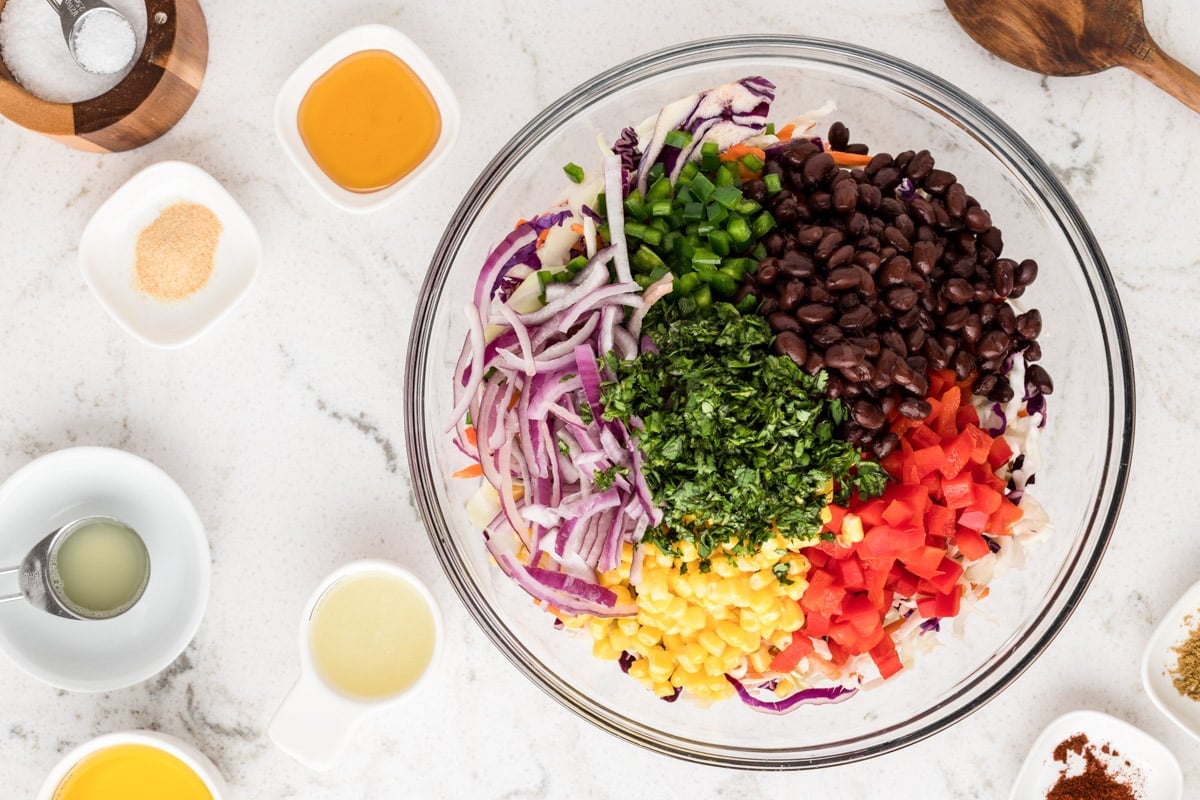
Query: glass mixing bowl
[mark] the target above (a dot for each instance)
(892, 106)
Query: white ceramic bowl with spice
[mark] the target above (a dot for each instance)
(109, 245)
(357, 40)
(1174, 649)
(1128, 754)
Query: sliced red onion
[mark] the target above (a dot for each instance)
(475, 334)
(616, 217)
(818, 696)
(522, 333)
(654, 292)
(589, 373)
(591, 278)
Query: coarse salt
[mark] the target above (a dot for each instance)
(104, 42)
(33, 49)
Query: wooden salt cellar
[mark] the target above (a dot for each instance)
(147, 103)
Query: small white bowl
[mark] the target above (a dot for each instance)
(356, 40)
(1160, 658)
(108, 246)
(1158, 771)
(189, 755)
(103, 655)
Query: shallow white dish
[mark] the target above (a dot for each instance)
(1159, 658)
(98, 656)
(108, 245)
(199, 763)
(355, 40)
(1158, 771)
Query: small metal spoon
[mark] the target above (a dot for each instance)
(38, 570)
(72, 14)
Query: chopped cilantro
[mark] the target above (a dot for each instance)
(738, 443)
(603, 479)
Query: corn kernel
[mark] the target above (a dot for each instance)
(661, 664)
(748, 621)
(598, 628)
(693, 619)
(762, 600)
(603, 649)
(762, 579)
(711, 642)
(640, 669)
(628, 625)
(761, 659)
(852, 530)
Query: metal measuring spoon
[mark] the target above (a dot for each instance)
(74, 14)
(37, 575)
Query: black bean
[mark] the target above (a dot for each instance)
(790, 345)
(857, 224)
(1006, 318)
(1033, 352)
(913, 408)
(886, 179)
(894, 341)
(817, 168)
(820, 202)
(1029, 324)
(815, 313)
(890, 207)
(956, 200)
(869, 197)
(993, 240)
(825, 335)
(977, 220)
(893, 236)
(767, 274)
(901, 298)
(1039, 379)
(984, 384)
(828, 243)
(809, 235)
(787, 211)
(895, 271)
(781, 321)
(935, 353)
(796, 153)
(1027, 272)
(818, 294)
(795, 264)
(843, 278)
(915, 340)
(814, 363)
(841, 256)
(958, 291)
(843, 354)
(972, 328)
(1001, 392)
(845, 196)
(1003, 276)
(924, 256)
(792, 294)
(869, 344)
(857, 318)
(839, 136)
(964, 364)
(857, 148)
(919, 167)
(885, 445)
(938, 181)
(878, 162)
(867, 414)
(993, 344)
(856, 373)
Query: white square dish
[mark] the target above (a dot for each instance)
(355, 40)
(1160, 658)
(1157, 773)
(108, 246)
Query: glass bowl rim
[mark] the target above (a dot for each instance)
(1003, 143)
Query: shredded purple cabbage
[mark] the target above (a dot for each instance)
(932, 625)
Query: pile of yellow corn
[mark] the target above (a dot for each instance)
(693, 627)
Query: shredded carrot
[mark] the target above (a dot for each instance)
(472, 437)
(984, 592)
(738, 150)
(541, 240)
(470, 471)
(1022, 413)
(516, 398)
(784, 134)
(849, 159)
(577, 228)
(520, 222)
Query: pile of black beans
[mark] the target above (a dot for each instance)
(881, 273)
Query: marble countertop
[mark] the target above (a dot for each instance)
(284, 423)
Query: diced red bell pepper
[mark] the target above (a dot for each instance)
(946, 578)
(837, 514)
(967, 417)
(924, 561)
(789, 657)
(971, 544)
(1000, 522)
(939, 521)
(898, 513)
(940, 605)
(823, 595)
(1000, 454)
(981, 443)
(850, 572)
(859, 612)
(947, 414)
(929, 460)
(973, 518)
(886, 659)
(987, 499)
(923, 436)
(958, 455)
(882, 541)
(959, 492)
(816, 624)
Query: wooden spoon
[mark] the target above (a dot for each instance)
(1075, 37)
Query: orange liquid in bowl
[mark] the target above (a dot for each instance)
(132, 772)
(369, 121)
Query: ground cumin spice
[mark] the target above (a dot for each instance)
(1186, 674)
(1095, 782)
(175, 252)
